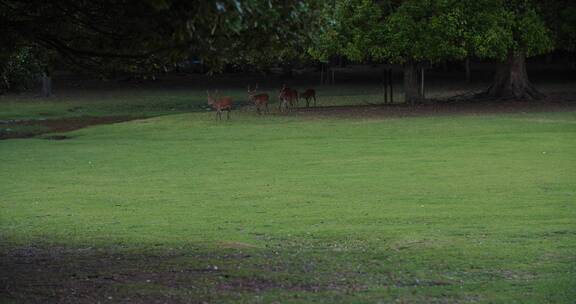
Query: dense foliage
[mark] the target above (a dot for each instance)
(151, 35)
(560, 18)
(430, 30)
(136, 35)
(19, 69)
(412, 32)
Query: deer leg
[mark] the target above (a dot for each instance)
(228, 115)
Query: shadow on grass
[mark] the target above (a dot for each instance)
(200, 275)
(91, 275)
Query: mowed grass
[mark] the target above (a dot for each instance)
(452, 209)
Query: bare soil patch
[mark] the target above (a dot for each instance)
(70, 124)
(57, 137)
(59, 125)
(92, 275)
(60, 275)
(557, 102)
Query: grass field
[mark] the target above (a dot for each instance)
(287, 209)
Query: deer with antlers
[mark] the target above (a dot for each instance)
(259, 100)
(308, 95)
(220, 104)
(288, 97)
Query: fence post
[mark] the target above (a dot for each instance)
(390, 82)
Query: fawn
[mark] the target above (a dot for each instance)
(309, 94)
(288, 97)
(258, 99)
(220, 104)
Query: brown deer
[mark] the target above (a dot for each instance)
(220, 104)
(309, 94)
(288, 97)
(260, 100)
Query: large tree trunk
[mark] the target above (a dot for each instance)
(467, 69)
(5, 85)
(46, 84)
(511, 80)
(412, 93)
(288, 70)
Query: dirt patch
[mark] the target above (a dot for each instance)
(557, 102)
(255, 284)
(92, 275)
(97, 275)
(59, 275)
(57, 126)
(235, 245)
(70, 124)
(56, 137)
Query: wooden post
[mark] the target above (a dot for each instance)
(422, 83)
(333, 79)
(46, 84)
(385, 84)
(467, 67)
(390, 82)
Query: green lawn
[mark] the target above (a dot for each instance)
(458, 209)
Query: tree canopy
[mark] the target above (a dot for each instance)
(434, 30)
(417, 31)
(560, 18)
(138, 34)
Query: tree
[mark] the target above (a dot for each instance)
(407, 32)
(510, 31)
(412, 32)
(420, 32)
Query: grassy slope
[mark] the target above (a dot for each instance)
(459, 209)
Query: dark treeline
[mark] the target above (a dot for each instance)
(139, 37)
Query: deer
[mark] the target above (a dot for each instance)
(258, 99)
(220, 104)
(309, 94)
(288, 97)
